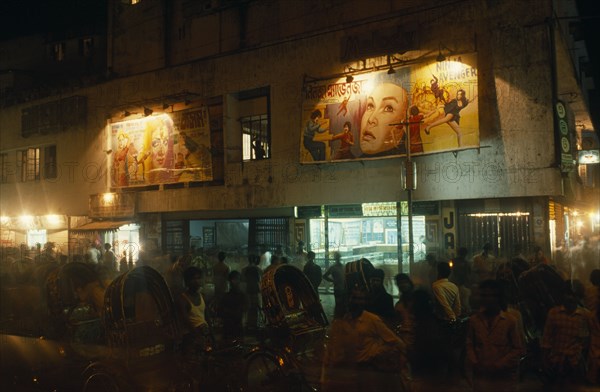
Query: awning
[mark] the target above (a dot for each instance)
(101, 226)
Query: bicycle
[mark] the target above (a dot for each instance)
(217, 369)
(269, 368)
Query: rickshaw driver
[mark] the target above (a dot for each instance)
(196, 333)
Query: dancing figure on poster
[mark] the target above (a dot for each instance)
(344, 105)
(346, 142)
(438, 92)
(313, 127)
(452, 115)
(414, 126)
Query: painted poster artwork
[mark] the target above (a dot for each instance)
(161, 149)
(431, 107)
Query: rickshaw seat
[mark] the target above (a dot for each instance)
(147, 338)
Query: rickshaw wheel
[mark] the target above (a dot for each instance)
(102, 378)
(101, 382)
(264, 372)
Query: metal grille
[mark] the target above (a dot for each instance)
(269, 232)
(256, 137)
(174, 233)
(503, 231)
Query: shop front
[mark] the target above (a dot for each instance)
(34, 236)
(370, 230)
(111, 220)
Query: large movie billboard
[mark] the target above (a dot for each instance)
(368, 117)
(162, 149)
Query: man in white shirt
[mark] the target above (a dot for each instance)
(93, 253)
(446, 294)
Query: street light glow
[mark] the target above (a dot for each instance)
(53, 219)
(26, 219)
(108, 198)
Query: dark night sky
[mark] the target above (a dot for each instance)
(21, 17)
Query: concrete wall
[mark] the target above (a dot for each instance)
(516, 125)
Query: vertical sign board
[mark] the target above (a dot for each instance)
(449, 230)
(564, 148)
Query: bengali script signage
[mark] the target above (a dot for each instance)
(162, 149)
(368, 117)
(564, 138)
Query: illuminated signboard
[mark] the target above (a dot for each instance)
(368, 116)
(162, 149)
(587, 157)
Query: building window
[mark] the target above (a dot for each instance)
(58, 51)
(30, 164)
(4, 168)
(255, 137)
(255, 124)
(50, 162)
(85, 47)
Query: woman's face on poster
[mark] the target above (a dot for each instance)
(160, 145)
(385, 105)
(123, 140)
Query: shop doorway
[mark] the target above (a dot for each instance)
(272, 234)
(503, 230)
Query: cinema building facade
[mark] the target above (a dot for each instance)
(415, 128)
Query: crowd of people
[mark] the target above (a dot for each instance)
(461, 325)
(456, 321)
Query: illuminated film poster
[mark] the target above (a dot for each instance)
(435, 103)
(161, 149)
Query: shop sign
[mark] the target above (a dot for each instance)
(379, 209)
(345, 211)
(564, 138)
(426, 208)
(449, 229)
(588, 157)
(309, 212)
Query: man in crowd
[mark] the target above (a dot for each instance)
(336, 275)
(313, 271)
(251, 276)
(446, 295)
(220, 276)
(565, 339)
(484, 264)
(494, 342)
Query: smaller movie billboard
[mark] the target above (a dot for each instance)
(162, 149)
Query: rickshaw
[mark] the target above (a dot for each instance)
(358, 275)
(142, 332)
(296, 325)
